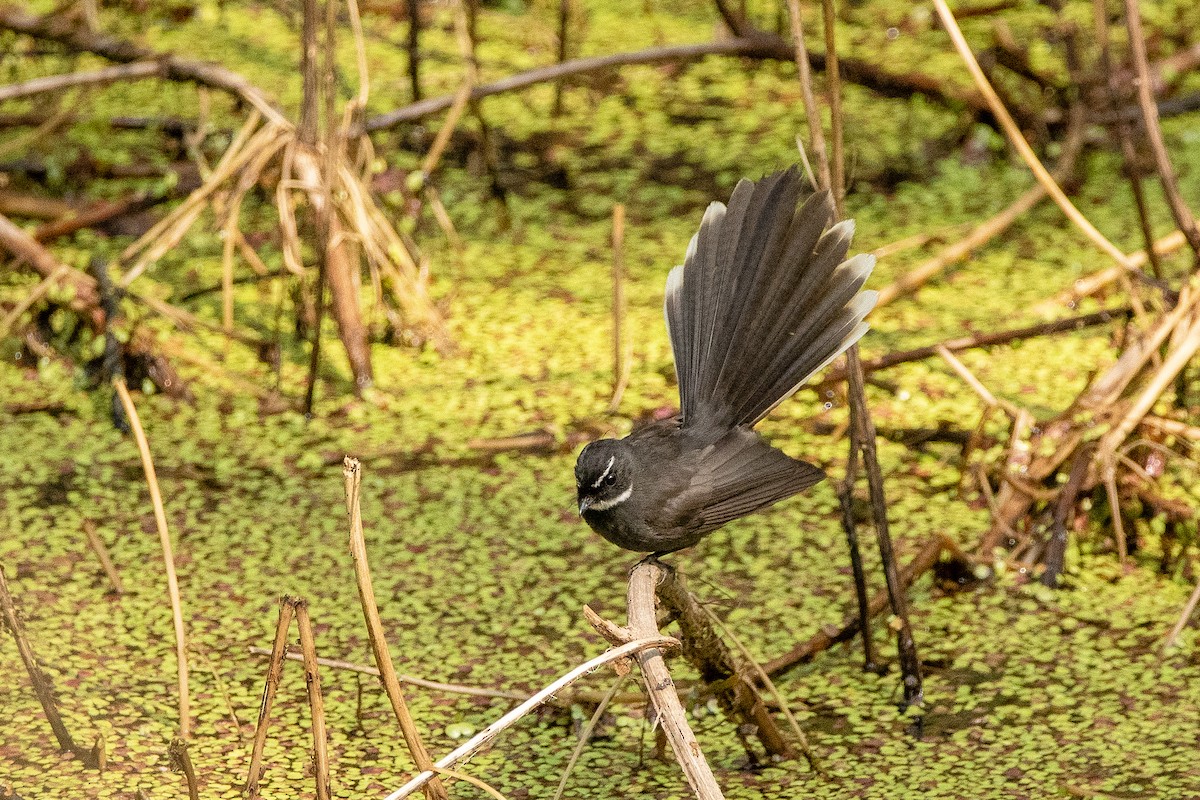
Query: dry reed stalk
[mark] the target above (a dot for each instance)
(1173, 427)
(586, 734)
(976, 385)
(1179, 356)
(1017, 139)
(164, 537)
(1090, 284)
(621, 344)
(1109, 479)
(352, 472)
(1145, 93)
(168, 231)
(316, 704)
(181, 761)
(92, 759)
(833, 80)
(960, 249)
(812, 114)
(106, 563)
(274, 672)
(1184, 616)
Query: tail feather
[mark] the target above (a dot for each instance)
(765, 298)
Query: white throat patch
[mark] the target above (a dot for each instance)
(604, 505)
(604, 474)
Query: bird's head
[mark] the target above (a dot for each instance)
(604, 475)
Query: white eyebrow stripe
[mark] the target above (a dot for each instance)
(604, 474)
(604, 505)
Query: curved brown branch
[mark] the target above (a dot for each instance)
(85, 298)
(757, 46)
(175, 68)
(804, 652)
(137, 70)
(838, 374)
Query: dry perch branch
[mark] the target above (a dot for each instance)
(643, 582)
(643, 622)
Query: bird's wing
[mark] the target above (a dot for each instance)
(738, 475)
(763, 300)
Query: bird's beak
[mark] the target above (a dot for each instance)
(584, 505)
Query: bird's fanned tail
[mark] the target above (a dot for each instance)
(764, 299)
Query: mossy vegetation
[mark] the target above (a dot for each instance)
(480, 564)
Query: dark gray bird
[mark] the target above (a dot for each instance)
(764, 299)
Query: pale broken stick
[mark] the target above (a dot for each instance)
(479, 740)
(562, 700)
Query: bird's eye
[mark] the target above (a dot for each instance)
(611, 479)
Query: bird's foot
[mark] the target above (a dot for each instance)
(656, 560)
